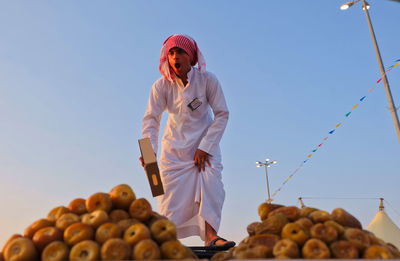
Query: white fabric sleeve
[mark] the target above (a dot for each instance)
(152, 117)
(218, 105)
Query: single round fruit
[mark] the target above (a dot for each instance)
(373, 240)
(124, 224)
(118, 214)
(9, 240)
(291, 212)
(85, 250)
(57, 212)
(173, 250)
(66, 220)
(35, 226)
(55, 251)
(95, 218)
(140, 209)
(315, 249)
(78, 232)
(45, 236)
(163, 230)
(146, 249)
(78, 206)
(286, 247)
(136, 233)
(320, 216)
(325, 233)
(251, 228)
(243, 246)
(306, 211)
(254, 252)
(99, 201)
(116, 249)
(266, 240)
(265, 208)
(122, 196)
(344, 250)
(339, 228)
(20, 248)
(305, 223)
(295, 232)
(377, 252)
(345, 219)
(358, 237)
(272, 225)
(106, 232)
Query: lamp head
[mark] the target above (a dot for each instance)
(346, 5)
(366, 5)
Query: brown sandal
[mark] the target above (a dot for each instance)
(227, 245)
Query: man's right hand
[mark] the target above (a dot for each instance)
(141, 161)
(201, 158)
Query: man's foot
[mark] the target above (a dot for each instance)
(220, 243)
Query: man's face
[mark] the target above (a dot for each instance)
(179, 60)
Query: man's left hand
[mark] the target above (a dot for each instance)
(201, 158)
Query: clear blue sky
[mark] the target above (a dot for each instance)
(75, 78)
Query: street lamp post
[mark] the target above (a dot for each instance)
(392, 107)
(266, 164)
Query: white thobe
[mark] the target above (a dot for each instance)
(191, 197)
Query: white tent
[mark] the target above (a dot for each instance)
(383, 227)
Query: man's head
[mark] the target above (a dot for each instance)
(178, 54)
(179, 60)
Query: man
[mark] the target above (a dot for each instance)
(190, 161)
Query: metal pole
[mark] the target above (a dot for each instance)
(392, 107)
(301, 202)
(381, 207)
(266, 174)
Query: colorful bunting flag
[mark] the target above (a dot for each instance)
(330, 132)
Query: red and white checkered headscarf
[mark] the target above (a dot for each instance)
(188, 45)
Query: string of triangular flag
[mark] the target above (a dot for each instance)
(332, 131)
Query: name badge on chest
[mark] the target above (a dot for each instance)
(193, 105)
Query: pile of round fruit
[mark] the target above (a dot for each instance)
(289, 232)
(106, 226)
